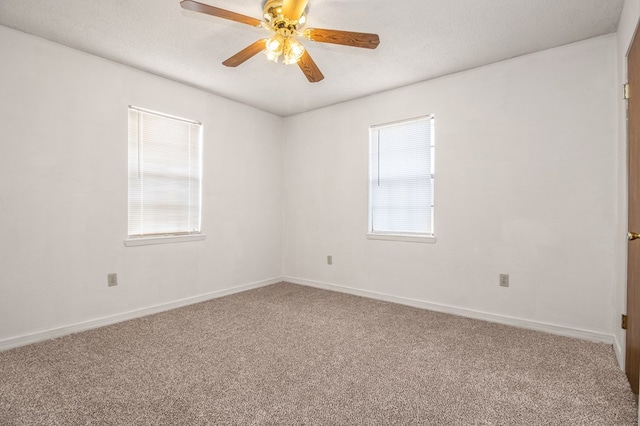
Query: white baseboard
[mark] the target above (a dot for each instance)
(620, 355)
(39, 336)
(14, 342)
(464, 312)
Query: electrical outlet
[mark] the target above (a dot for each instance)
(112, 280)
(504, 280)
(329, 260)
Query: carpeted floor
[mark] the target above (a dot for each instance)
(288, 354)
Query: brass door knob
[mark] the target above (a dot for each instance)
(632, 236)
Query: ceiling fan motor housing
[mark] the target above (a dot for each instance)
(276, 20)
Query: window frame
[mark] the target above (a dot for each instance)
(393, 235)
(172, 237)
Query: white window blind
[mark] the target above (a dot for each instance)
(401, 177)
(165, 170)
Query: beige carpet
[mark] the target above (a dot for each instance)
(287, 354)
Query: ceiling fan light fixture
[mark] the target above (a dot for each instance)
(283, 46)
(293, 51)
(275, 47)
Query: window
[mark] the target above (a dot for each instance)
(165, 173)
(401, 167)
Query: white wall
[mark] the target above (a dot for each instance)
(626, 28)
(526, 157)
(63, 191)
(528, 173)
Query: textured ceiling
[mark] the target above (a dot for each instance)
(419, 40)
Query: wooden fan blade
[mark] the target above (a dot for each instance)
(246, 53)
(346, 38)
(293, 9)
(309, 68)
(220, 13)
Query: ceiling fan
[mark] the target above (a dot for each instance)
(286, 18)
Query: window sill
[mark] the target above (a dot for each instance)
(402, 237)
(168, 239)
